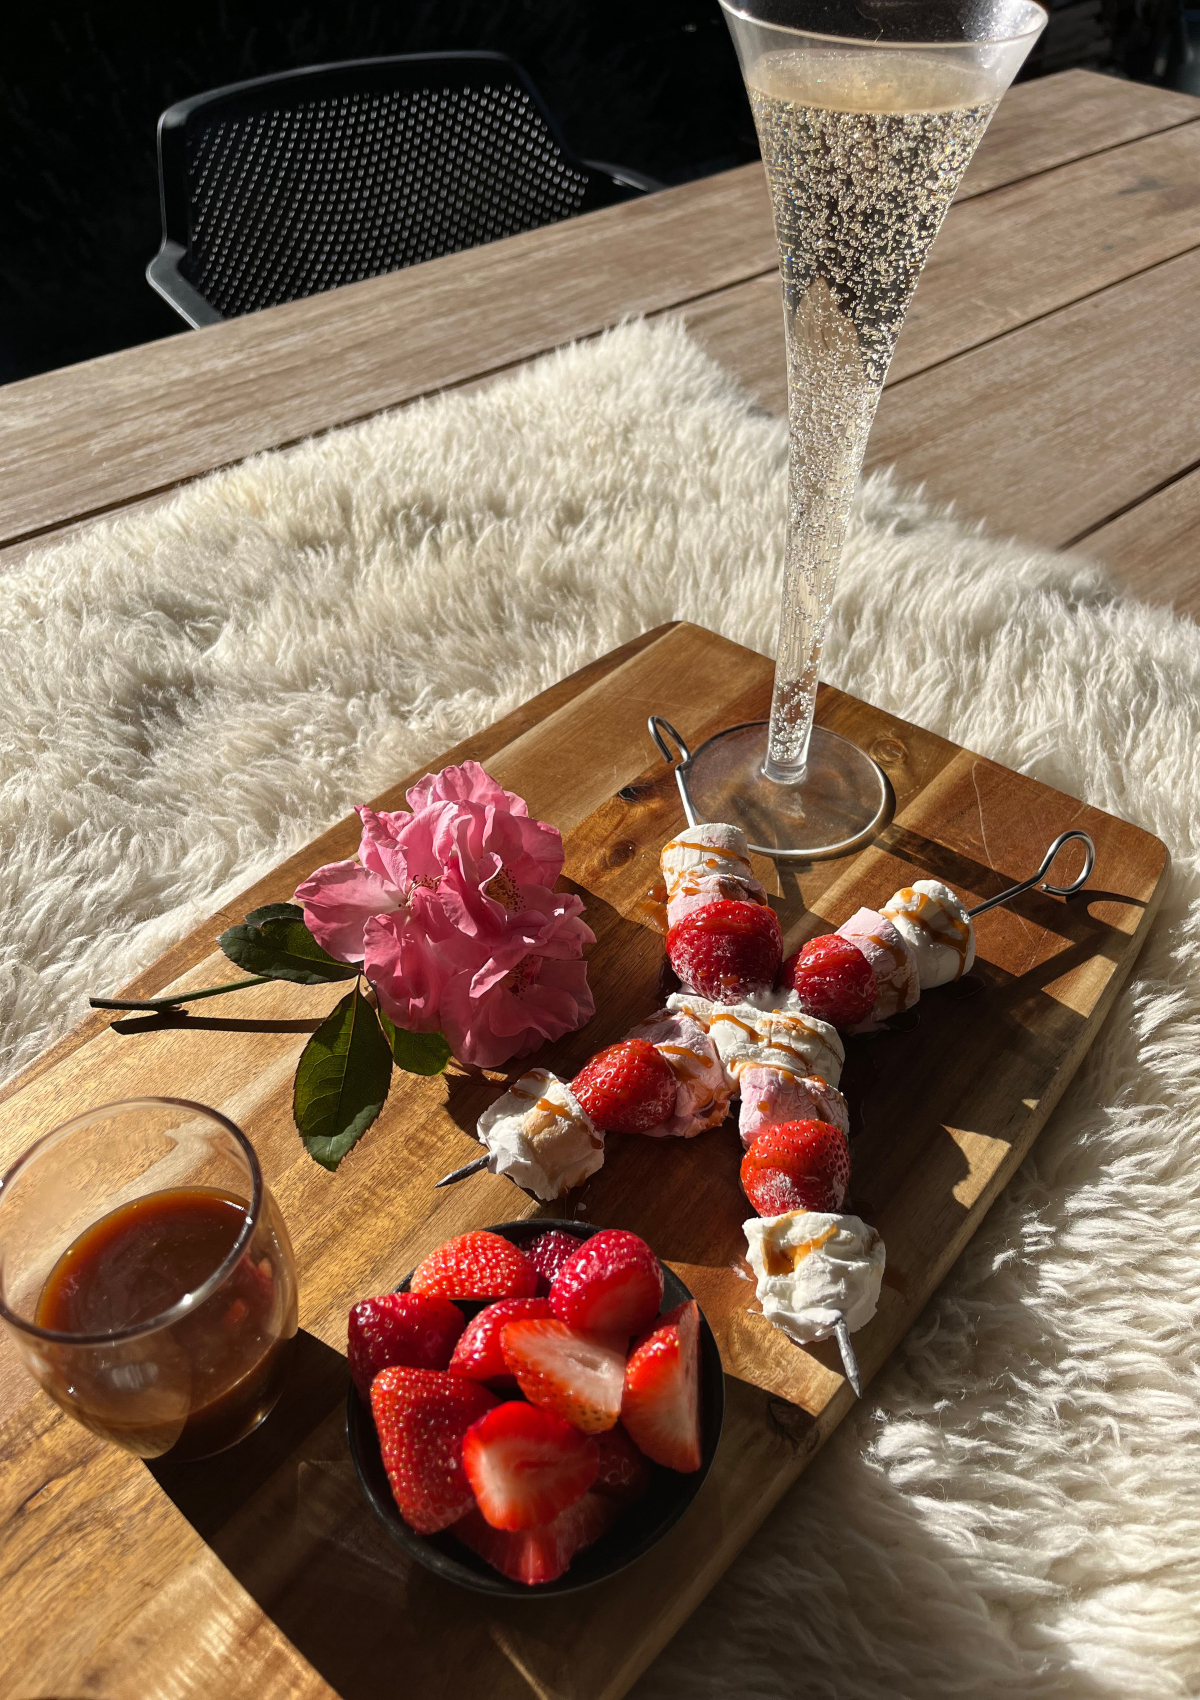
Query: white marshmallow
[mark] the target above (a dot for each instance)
(745, 1035)
(936, 926)
(774, 1095)
(702, 1092)
(813, 1269)
(691, 1004)
(541, 1137)
(892, 961)
(710, 850)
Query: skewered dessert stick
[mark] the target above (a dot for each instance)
(537, 1134)
(923, 937)
(817, 1274)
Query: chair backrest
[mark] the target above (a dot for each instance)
(289, 185)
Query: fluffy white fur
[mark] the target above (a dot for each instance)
(191, 694)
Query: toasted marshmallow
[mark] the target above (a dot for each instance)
(774, 1095)
(937, 928)
(541, 1137)
(814, 1269)
(711, 850)
(745, 1035)
(892, 960)
(702, 1092)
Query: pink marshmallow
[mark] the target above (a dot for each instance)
(897, 986)
(773, 1095)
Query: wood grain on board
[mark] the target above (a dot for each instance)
(263, 1572)
(96, 436)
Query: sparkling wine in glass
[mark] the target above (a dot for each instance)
(868, 113)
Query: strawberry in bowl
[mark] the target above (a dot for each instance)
(560, 1433)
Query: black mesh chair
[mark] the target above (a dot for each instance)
(290, 185)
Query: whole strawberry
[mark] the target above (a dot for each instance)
(549, 1252)
(421, 1417)
(612, 1286)
(797, 1166)
(476, 1266)
(626, 1088)
(726, 951)
(833, 980)
(417, 1330)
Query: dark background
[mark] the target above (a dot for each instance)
(652, 85)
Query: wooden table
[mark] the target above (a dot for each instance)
(1038, 360)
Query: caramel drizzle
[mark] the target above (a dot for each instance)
(961, 931)
(782, 1260)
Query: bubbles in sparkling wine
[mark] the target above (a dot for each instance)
(863, 159)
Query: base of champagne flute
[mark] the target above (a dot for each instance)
(843, 800)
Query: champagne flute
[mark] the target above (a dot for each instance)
(868, 113)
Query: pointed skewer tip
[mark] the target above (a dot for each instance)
(461, 1174)
(849, 1361)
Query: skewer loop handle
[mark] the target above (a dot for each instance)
(1077, 884)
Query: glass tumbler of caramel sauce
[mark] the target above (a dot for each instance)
(147, 1278)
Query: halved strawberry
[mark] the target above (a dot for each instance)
(624, 1474)
(612, 1285)
(549, 1252)
(526, 1465)
(797, 1166)
(627, 1088)
(476, 1266)
(479, 1353)
(661, 1407)
(417, 1330)
(565, 1371)
(421, 1416)
(542, 1554)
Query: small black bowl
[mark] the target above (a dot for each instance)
(639, 1526)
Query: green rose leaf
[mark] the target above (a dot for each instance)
(275, 912)
(416, 1053)
(342, 1080)
(274, 941)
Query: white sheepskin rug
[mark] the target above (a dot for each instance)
(191, 694)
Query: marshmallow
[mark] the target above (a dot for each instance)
(813, 1269)
(711, 852)
(691, 1004)
(541, 1137)
(745, 1035)
(713, 888)
(892, 959)
(937, 929)
(774, 1095)
(703, 1094)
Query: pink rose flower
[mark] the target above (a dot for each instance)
(451, 913)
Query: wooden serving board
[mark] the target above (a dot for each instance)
(263, 1572)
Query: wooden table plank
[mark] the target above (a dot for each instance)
(1049, 430)
(999, 261)
(110, 431)
(1051, 120)
(1151, 547)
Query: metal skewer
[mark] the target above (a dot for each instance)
(1089, 862)
(849, 1361)
(467, 1169)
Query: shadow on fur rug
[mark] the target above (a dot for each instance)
(192, 693)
